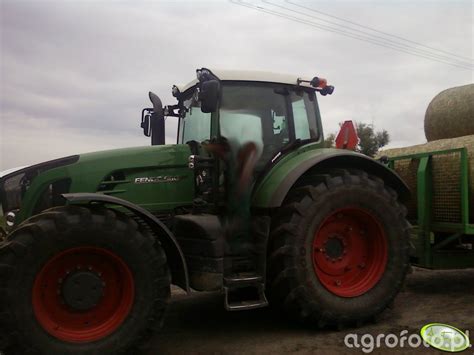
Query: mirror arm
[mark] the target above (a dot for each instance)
(147, 110)
(170, 110)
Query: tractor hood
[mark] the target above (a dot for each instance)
(133, 158)
(156, 177)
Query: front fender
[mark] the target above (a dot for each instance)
(273, 188)
(174, 254)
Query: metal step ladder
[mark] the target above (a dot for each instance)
(244, 291)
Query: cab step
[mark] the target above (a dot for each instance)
(242, 279)
(244, 291)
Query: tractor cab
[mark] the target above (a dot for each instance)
(273, 111)
(244, 120)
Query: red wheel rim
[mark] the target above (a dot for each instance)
(350, 252)
(83, 325)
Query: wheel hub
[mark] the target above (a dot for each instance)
(82, 290)
(334, 247)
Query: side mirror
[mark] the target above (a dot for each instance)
(146, 121)
(209, 95)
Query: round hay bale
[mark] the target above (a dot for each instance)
(450, 114)
(446, 176)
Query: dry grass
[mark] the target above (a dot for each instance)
(450, 114)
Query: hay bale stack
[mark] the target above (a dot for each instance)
(450, 114)
(446, 176)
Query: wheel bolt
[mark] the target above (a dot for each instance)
(362, 265)
(338, 283)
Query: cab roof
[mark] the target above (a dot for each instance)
(249, 75)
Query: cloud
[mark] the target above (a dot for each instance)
(75, 75)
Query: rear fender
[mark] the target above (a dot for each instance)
(272, 190)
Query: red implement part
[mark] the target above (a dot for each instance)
(347, 137)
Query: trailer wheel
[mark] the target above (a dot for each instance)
(338, 252)
(81, 281)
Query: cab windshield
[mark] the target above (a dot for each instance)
(270, 115)
(195, 125)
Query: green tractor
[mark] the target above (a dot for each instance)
(248, 202)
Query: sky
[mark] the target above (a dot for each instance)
(76, 74)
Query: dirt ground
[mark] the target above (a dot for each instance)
(198, 323)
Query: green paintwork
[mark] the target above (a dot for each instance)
(427, 253)
(87, 174)
(424, 202)
(272, 181)
(170, 160)
(268, 186)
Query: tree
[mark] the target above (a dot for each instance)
(329, 140)
(370, 141)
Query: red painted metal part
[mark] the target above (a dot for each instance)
(347, 137)
(94, 324)
(361, 256)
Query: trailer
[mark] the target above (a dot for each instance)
(440, 208)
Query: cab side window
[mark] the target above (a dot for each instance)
(304, 115)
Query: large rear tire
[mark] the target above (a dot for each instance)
(75, 280)
(338, 252)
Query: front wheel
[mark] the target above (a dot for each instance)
(338, 250)
(81, 281)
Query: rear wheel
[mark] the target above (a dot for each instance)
(80, 281)
(338, 251)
